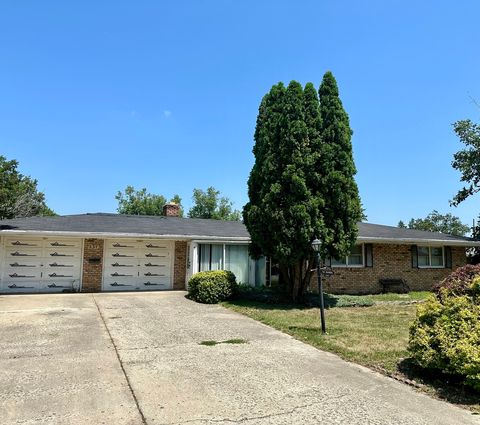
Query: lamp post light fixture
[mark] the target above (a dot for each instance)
(317, 246)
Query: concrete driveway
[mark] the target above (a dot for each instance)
(136, 359)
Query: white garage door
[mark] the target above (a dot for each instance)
(40, 264)
(140, 265)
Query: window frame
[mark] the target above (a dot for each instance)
(429, 265)
(201, 245)
(351, 266)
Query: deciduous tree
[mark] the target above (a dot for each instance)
(141, 202)
(209, 204)
(436, 222)
(467, 160)
(19, 196)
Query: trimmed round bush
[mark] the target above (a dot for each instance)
(445, 335)
(211, 287)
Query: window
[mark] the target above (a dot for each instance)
(236, 260)
(225, 257)
(355, 259)
(430, 256)
(211, 257)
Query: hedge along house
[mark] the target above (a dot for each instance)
(111, 252)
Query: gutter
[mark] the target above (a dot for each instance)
(370, 239)
(410, 241)
(122, 235)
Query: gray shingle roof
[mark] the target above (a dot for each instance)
(129, 224)
(369, 231)
(118, 224)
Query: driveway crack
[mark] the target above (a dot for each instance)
(144, 420)
(249, 418)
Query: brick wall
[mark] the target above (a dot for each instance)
(180, 265)
(389, 261)
(92, 270)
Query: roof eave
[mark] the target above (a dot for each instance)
(429, 241)
(362, 239)
(123, 235)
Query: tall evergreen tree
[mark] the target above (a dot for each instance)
(279, 214)
(265, 169)
(287, 206)
(342, 210)
(313, 161)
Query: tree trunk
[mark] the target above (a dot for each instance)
(295, 279)
(309, 269)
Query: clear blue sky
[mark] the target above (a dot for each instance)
(96, 95)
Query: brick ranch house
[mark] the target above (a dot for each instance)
(111, 252)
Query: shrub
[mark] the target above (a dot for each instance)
(445, 335)
(211, 287)
(475, 287)
(263, 294)
(458, 283)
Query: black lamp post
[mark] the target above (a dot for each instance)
(317, 245)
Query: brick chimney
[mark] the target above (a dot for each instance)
(171, 209)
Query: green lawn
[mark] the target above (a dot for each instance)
(411, 296)
(368, 300)
(374, 335)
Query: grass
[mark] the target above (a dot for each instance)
(369, 300)
(390, 296)
(371, 336)
(375, 336)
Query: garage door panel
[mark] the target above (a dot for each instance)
(157, 254)
(122, 274)
(154, 263)
(153, 245)
(56, 252)
(19, 242)
(155, 283)
(57, 285)
(121, 254)
(26, 274)
(64, 243)
(129, 270)
(155, 273)
(60, 274)
(137, 265)
(119, 283)
(40, 264)
(21, 286)
(122, 244)
(21, 263)
(115, 261)
(129, 267)
(61, 264)
(16, 252)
